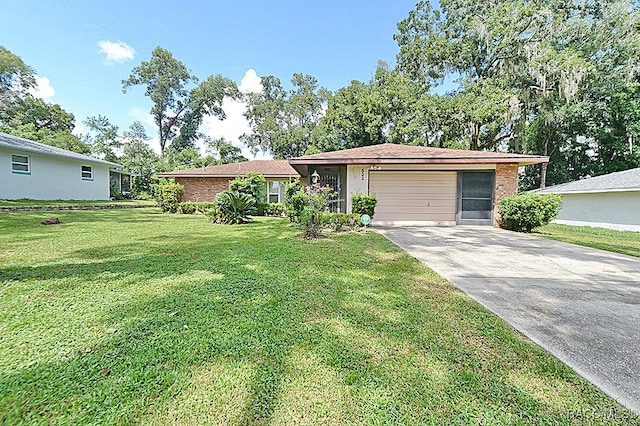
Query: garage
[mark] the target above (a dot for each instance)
(414, 196)
(420, 184)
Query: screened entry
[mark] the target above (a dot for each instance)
(475, 198)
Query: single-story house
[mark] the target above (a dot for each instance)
(37, 171)
(420, 185)
(203, 184)
(607, 201)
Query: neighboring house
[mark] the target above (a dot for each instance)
(38, 171)
(607, 201)
(203, 184)
(420, 185)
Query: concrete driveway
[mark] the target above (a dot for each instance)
(581, 304)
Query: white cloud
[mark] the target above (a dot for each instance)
(116, 51)
(250, 83)
(235, 124)
(43, 89)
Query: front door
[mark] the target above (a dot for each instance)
(332, 180)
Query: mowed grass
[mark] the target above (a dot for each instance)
(51, 203)
(134, 316)
(624, 242)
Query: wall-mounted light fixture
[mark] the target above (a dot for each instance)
(315, 177)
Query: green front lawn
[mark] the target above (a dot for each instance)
(32, 203)
(134, 316)
(625, 242)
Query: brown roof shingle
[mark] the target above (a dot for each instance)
(407, 154)
(268, 168)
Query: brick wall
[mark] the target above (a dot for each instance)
(506, 184)
(202, 189)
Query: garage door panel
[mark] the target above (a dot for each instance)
(414, 196)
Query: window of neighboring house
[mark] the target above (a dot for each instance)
(87, 173)
(20, 164)
(275, 191)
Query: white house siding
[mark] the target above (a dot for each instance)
(52, 178)
(358, 174)
(616, 210)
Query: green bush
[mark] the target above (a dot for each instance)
(214, 215)
(233, 208)
(269, 209)
(291, 188)
(295, 204)
(260, 209)
(168, 196)
(525, 212)
(274, 209)
(336, 221)
(253, 184)
(364, 204)
(200, 207)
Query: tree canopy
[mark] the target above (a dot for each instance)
(552, 77)
(179, 106)
(283, 121)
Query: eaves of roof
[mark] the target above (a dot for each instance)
(18, 144)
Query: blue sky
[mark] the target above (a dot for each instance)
(335, 41)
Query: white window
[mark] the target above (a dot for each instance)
(20, 164)
(275, 191)
(87, 173)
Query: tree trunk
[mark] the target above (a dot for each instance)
(543, 166)
(475, 135)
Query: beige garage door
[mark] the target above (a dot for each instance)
(414, 197)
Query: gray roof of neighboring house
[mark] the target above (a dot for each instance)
(627, 180)
(26, 145)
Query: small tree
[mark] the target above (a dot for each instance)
(314, 201)
(525, 212)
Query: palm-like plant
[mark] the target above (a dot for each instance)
(235, 207)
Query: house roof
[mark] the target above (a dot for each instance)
(627, 180)
(268, 168)
(389, 153)
(25, 145)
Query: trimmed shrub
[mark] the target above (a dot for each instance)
(253, 184)
(364, 204)
(233, 208)
(200, 207)
(336, 221)
(269, 209)
(169, 196)
(274, 209)
(525, 212)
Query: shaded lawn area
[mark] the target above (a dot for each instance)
(134, 316)
(624, 242)
(32, 203)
